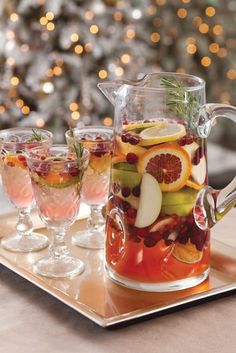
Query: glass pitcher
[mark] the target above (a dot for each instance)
(160, 207)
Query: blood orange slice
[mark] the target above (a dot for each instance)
(169, 164)
(187, 253)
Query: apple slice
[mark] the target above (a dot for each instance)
(198, 171)
(149, 202)
(191, 149)
(162, 223)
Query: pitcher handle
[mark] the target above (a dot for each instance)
(212, 205)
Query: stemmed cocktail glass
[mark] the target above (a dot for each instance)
(98, 140)
(56, 175)
(17, 185)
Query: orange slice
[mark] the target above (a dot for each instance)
(125, 148)
(168, 163)
(101, 163)
(141, 125)
(187, 253)
(162, 132)
(14, 161)
(118, 158)
(193, 185)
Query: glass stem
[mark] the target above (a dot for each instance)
(58, 249)
(96, 219)
(24, 224)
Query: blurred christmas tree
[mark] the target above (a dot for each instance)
(54, 52)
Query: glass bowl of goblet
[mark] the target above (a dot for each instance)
(17, 185)
(56, 175)
(99, 141)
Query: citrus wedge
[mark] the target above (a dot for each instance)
(168, 163)
(125, 148)
(142, 125)
(187, 253)
(101, 163)
(162, 132)
(193, 185)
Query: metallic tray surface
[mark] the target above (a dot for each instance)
(104, 302)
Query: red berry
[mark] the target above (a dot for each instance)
(136, 191)
(182, 141)
(141, 232)
(134, 140)
(131, 158)
(131, 212)
(125, 191)
(150, 241)
(21, 157)
(10, 164)
(125, 137)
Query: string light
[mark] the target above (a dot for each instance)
(15, 81)
(214, 47)
(73, 106)
(14, 17)
(130, 34)
(25, 110)
(78, 49)
(102, 74)
(107, 121)
(157, 22)
(43, 21)
(119, 71)
(75, 115)
(222, 52)
(182, 13)
(74, 37)
(50, 73)
(180, 70)
(10, 61)
(20, 103)
(89, 15)
(88, 47)
(57, 70)
(206, 61)
(48, 87)
(40, 122)
(50, 26)
(160, 2)
(203, 28)
(231, 74)
(125, 58)
(50, 16)
(197, 20)
(10, 35)
(151, 10)
(217, 30)
(155, 37)
(94, 29)
(118, 16)
(2, 109)
(210, 11)
(191, 49)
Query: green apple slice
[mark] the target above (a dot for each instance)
(149, 202)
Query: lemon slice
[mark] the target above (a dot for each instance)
(163, 132)
(187, 253)
(142, 125)
(193, 185)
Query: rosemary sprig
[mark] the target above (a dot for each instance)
(78, 149)
(180, 101)
(36, 136)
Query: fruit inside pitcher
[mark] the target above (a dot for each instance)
(157, 170)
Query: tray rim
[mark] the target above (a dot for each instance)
(122, 318)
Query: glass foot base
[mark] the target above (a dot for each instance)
(55, 268)
(89, 240)
(27, 243)
(158, 287)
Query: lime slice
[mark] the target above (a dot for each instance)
(162, 132)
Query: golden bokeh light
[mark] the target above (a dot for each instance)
(210, 11)
(2, 109)
(151, 10)
(73, 106)
(94, 29)
(102, 74)
(119, 71)
(231, 43)
(130, 34)
(43, 21)
(231, 74)
(25, 110)
(157, 22)
(191, 49)
(214, 47)
(14, 17)
(125, 58)
(49, 72)
(203, 28)
(225, 97)
(74, 37)
(15, 81)
(57, 70)
(217, 30)
(75, 115)
(118, 16)
(186, 1)
(161, 2)
(182, 13)
(180, 70)
(155, 37)
(206, 61)
(222, 53)
(10, 35)
(10, 61)
(50, 26)
(40, 122)
(107, 121)
(89, 15)
(197, 20)
(79, 49)
(88, 47)
(50, 16)
(20, 103)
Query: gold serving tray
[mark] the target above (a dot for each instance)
(93, 295)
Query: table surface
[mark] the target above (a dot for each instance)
(34, 322)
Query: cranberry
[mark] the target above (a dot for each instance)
(42, 158)
(183, 238)
(131, 158)
(182, 141)
(21, 157)
(150, 241)
(73, 170)
(125, 137)
(10, 164)
(125, 191)
(116, 188)
(141, 232)
(124, 205)
(136, 191)
(189, 139)
(125, 122)
(134, 140)
(131, 213)
(43, 169)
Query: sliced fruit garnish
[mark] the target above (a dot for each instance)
(149, 202)
(187, 253)
(100, 164)
(193, 185)
(126, 178)
(160, 224)
(125, 148)
(168, 163)
(198, 171)
(118, 158)
(141, 125)
(57, 181)
(191, 149)
(15, 161)
(162, 132)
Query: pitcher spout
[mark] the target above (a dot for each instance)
(110, 89)
(212, 205)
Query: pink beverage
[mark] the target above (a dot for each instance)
(16, 181)
(95, 187)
